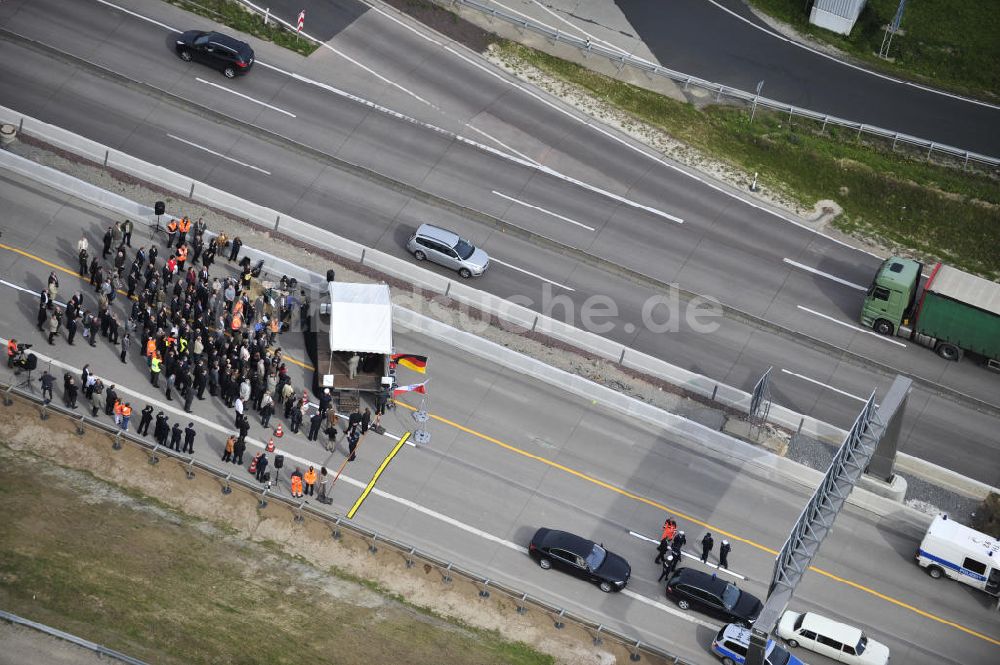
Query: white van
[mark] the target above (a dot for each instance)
(836, 640)
(956, 551)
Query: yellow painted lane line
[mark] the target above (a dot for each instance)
(67, 271)
(596, 481)
(709, 527)
(378, 472)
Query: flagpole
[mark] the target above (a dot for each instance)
(420, 416)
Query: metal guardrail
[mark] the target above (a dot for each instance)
(651, 68)
(448, 570)
(99, 649)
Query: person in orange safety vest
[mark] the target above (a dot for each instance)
(310, 480)
(171, 232)
(126, 415)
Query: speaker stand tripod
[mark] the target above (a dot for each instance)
(26, 383)
(157, 228)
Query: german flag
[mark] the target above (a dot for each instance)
(410, 361)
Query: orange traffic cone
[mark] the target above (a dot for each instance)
(270, 445)
(278, 432)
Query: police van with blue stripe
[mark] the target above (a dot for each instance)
(733, 640)
(950, 549)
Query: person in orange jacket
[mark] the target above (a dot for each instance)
(669, 529)
(296, 484)
(310, 480)
(117, 410)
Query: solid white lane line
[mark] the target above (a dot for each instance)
(680, 614)
(824, 385)
(520, 159)
(139, 16)
(502, 144)
(540, 209)
(802, 266)
(343, 55)
(395, 20)
(246, 97)
(851, 326)
(218, 154)
(583, 32)
(468, 528)
(611, 195)
(536, 276)
(640, 536)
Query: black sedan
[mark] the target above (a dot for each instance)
(581, 557)
(710, 594)
(230, 56)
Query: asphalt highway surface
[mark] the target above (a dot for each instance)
(724, 42)
(275, 137)
(555, 460)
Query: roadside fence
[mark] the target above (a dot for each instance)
(821, 121)
(342, 530)
(99, 649)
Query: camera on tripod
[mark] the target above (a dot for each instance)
(24, 360)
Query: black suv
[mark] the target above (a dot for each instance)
(693, 588)
(230, 56)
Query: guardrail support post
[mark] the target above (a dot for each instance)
(559, 623)
(446, 576)
(715, 391)
(485, 592)
(409, 557)
(117, 444)
(153, 457)
(262, 503)
(335, 534)
(79, 427)
(598, 640)
(191, 193)
(635, 656)
(373, 546)
(521, 604)
(226, 489)
(7, 401)
(44, 412)
(277, 220)
(189, 469)
(299, 518)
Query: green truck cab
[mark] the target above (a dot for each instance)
(953, 313)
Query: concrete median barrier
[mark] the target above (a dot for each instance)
(403, 269)
(581, 339)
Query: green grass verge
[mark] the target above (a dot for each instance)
(114, 567)
(952, 44)
(237, 17)
(938, 211)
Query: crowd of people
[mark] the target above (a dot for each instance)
(198, 334)
(671, 547)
